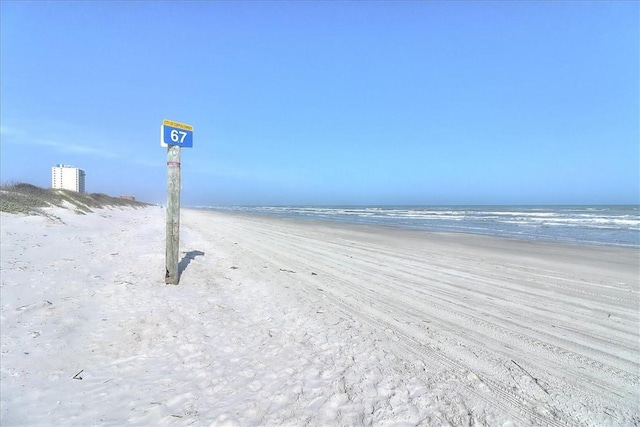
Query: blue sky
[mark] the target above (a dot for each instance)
(328, 102)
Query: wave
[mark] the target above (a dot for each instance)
(613, 225)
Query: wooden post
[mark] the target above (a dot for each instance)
(173, 214)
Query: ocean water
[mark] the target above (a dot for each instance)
(603, 225)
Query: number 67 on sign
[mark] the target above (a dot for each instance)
(174, 133)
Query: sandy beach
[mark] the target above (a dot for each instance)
(293, 322)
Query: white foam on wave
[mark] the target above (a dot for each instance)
(606, 225)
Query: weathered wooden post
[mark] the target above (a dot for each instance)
(173, 215)
(174, 135)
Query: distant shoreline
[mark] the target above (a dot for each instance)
(612, 225)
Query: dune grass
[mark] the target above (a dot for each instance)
(28, 199)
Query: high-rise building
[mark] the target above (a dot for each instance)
(67, 178)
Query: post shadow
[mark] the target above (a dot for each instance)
(188, 257)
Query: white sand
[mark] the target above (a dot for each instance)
(279, 322)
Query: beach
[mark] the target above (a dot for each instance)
(278, 321)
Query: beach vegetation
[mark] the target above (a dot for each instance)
(29, 199)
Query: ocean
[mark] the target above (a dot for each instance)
(601, 225)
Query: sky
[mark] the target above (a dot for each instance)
(327, 103)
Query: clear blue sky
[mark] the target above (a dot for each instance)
(328, 102)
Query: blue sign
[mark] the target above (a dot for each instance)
(174, 133)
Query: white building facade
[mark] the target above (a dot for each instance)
(67, 178)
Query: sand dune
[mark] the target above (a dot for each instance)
(282, 322)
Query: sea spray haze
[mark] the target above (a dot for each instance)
(604, 225)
